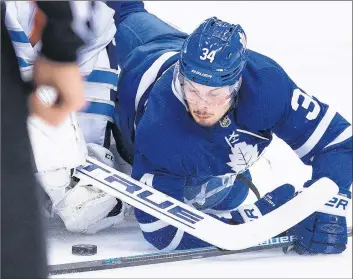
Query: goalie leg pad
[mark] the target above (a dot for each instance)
(84, 209)
(55, 183)
(87, 209)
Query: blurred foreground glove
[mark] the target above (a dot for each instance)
(325, 231)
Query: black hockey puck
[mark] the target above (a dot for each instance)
(84, 249)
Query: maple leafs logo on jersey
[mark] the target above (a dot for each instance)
(242, 39)
(243, 156)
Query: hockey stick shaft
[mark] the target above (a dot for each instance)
(165, 257)
(198, 224)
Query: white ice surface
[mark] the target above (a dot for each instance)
(313, 42)
(128, 241)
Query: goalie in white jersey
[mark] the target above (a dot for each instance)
(58, 150)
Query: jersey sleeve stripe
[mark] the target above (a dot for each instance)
(346, 134)
(150, 75)
(100, 109)
(175, 242)
(23, 63)
(154, 226)
(317, 134)
(108, 77)
(176, 88)
(18, 36)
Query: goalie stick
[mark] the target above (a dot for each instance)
(164, 257)
(199, 224)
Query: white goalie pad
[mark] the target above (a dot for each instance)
(55, 147)
(85, 208)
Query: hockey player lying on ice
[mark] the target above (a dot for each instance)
(194, 112)
(197, 110)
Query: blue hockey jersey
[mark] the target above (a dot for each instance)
(199, 165)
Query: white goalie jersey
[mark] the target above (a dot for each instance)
(100, 78)
(60, 149)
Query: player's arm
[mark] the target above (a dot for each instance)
(321, 138)
(136, 27)
(166, 237)
(157, 232)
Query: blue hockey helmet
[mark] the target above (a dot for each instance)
(214, 54)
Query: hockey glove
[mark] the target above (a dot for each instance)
(268, 203)
(325, 231)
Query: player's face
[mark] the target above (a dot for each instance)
(207, 105)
